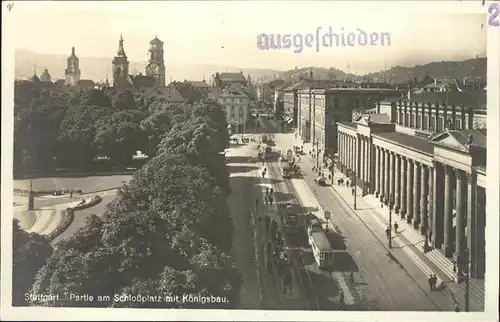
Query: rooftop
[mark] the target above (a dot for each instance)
(232, 77)
(475, 99)
(186, 90)
(409, 141)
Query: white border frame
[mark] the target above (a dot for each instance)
(493, 206)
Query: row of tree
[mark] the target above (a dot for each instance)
(168, 232)
(69, 130)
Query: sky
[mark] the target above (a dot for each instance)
(225, 32)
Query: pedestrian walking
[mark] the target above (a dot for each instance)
(430, 280)
(352, 276)
(457, 308)
(347, 183)
(396, 227)
(388, 232)
(263, 174)
(257, 201)
(341, 299)
(353, 191)
(71, 194)
(271, 200)
(434, 282)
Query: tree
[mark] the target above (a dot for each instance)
(30, 252)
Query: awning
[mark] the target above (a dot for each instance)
(285, 117)
(290, 120)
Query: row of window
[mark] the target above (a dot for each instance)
(422, 122)
(232, 100)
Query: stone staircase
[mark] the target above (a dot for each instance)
(445, 265)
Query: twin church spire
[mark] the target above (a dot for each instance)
(155, 68)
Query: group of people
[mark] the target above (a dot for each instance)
(388, 230)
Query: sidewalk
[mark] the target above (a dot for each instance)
(411, 242)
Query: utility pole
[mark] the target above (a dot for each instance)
(391, 205)
(317, 153)
(354, 187)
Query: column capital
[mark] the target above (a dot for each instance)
(469, 175)
(447, 169)
(458, 172)
(411, 161)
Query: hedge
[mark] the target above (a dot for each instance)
(69, 216)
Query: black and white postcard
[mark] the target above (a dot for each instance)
(250, 160)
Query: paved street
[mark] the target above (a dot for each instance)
(47, 214)
(82, 215)
(380, 281)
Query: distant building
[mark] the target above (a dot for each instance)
(429, 163)
(121, 77)
(72, 71)
(236, 104)
(223, 79)
(156, 66)
(201, 86)
(175, 92)
(45, 77)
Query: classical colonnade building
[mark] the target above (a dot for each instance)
(434, 180)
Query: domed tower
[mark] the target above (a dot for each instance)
(120, 63)
(156, 66)
(45, 77)
(72, 72)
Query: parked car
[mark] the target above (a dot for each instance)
(320, 181)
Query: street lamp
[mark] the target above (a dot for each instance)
(391, 206)
(354, 187)
(31, 199)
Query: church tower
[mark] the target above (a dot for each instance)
(156, 66)
(121, 77)
(72, 72)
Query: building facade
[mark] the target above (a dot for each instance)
(236, 104)
(156, 65)
(72, 71)
(319, 111)
(432, 172)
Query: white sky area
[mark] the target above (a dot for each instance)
(225, 33)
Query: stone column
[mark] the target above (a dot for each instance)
(409, 191)
(377, 171)
(448, 215)
(387, 173)
(460, 241)
(471, 221)
(397, 184)
(369, 166)
(430, 188)
(480, 225)
(424, 194)
(351, 155)
(416, 195)
(382, 175)
(438, 206)
(362, 161)
(358, 155)
(402, 186)
(392, 171)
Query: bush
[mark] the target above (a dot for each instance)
(68, 217)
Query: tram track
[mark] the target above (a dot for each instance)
(297, 257)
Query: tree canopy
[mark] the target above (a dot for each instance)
(168, 232)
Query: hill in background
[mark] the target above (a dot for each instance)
(98, 68)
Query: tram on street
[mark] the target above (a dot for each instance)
(320, 245)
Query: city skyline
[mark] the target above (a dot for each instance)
(454, 36)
